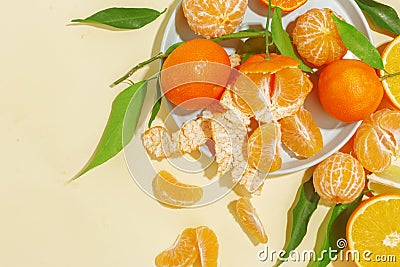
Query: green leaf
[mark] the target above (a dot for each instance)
(156, 106)
(123, 18)
(335, 231)
(357, 43)
(382, 15)
(282, 40)
(112, 141)
(302, 212)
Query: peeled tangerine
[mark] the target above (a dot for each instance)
(377, 140)
(339, 178)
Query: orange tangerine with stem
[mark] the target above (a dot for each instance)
(198, 54)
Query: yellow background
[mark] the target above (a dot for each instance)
(54, 104)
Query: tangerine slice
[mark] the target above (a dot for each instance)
(373, 230)
(207, 243)
(316, 37)
(169, 190)
(263, 147)
(249, 220)
(301, 134)
(182, 253)
(339, 179)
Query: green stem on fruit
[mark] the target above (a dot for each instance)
(389, 75)
(237, 35)
(267, 31)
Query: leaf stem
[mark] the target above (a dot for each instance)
(267, 31)
(389, 75)
(161, 55)
(137, 67)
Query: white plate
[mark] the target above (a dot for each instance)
(335, 133)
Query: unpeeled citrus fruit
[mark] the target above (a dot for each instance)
(167, 189)
(316, 37)
(373, 230)
(349, 90)
(339, 179)
(285, 5)
(391, 62)
(211, 18)
(377, 140)
(178, 80)
(182, 253)
(249, 219)
(281, 87)
(301, 134)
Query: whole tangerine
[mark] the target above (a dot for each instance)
(195, 74)
(349, 90)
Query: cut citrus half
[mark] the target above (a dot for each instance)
(373, 230)
(211, 18)
(183, 252)
(391, 62)
(339, 179)
(249, 220)
(207, 243)
(167, 189)
(301, 134)
(262, 147)
(316, 37)
(285, 5)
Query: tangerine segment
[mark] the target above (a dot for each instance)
(285, 5)
(339, 179)
(301, 134)
(262, 146)
(316, 37)
(249, 219)
(183, 252)
(211, 18)
(167, 189)
(391, 62)
(374, 230)
(207, 243)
